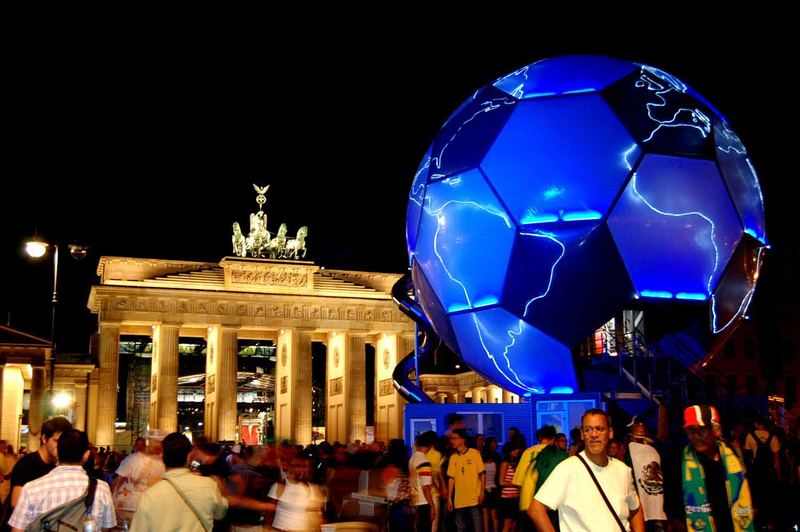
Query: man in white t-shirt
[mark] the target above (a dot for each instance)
(135, 474)
(299, 502)
(571, 490)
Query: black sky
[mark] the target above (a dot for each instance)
(148, 147)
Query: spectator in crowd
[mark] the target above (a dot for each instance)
(573, 491)
(716, 494)
(421, 477)
(509, 492)
(439, 484)
(7, 462)
(66, 482)
(36, 464)
(298, 503)
(135, 474)
(525, 476)
(561, 441)
(491, 461)
(466, 483)
(764, 470)
(194, 501)
(645, 464)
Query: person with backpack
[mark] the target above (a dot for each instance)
(34, 465)
(61, 495)
(546, 462)
(763, 471)
(525, 475)
(295, 502)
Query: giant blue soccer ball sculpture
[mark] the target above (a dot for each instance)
(567, 191)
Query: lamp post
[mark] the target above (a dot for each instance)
(36, 248)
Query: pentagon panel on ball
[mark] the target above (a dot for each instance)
(568, 191)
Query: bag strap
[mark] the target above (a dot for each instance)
(189, 504)
(602, 493)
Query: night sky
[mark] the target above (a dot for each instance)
(150, 148)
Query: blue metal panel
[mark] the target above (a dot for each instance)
(735, 291)
(560, 159)
(570, 74)
(567, 262)
(663, 117)
(464, 139)
(675, 227)
(464, 242)
(511, 353)
(742, 181)
(416, 196)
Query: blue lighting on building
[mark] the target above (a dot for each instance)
(691, 296)
(581, 216)
(656, 293)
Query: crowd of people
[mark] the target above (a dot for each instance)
(594, 480)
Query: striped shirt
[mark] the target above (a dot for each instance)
(61, 485)
(420, 469)
(510, 492)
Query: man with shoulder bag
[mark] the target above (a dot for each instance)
(591, 490)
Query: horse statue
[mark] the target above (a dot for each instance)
(239, 241)
(277, 245)
(258, 239)
(295, 245)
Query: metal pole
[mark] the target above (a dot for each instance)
(53, 321)
(416, 352)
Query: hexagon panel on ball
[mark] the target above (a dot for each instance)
(567, 191)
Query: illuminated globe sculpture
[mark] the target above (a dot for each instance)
(567, 191)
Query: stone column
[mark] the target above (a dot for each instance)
(293, 386)
(2, 371)
(507, 396)
(80, 405)
(335, 375)
(221, 383)
(164, 378)
(36, 411)
(355, 389)
(92, 399)
(107, 383)
(389, 349)
(11, 404)
(477, 394)
(301, 392)
(494, 394)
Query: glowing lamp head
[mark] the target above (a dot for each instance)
(62, 400)
(558, 195)
(35, 247)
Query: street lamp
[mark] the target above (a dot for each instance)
(36, 248)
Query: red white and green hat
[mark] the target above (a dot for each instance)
(700, 416)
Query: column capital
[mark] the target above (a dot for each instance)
(110, 324)
(225, 327)
(167, 325)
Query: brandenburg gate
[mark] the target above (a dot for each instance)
(291, 302)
